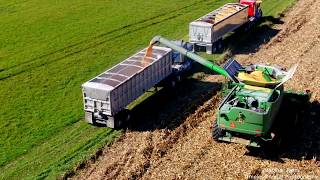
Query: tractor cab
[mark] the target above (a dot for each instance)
(254, 8)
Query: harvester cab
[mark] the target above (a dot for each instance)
(254, 8)
(252, 103)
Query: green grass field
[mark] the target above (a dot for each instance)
(49, 48)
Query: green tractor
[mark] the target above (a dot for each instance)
(253, 98)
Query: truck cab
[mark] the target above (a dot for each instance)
(254, 8)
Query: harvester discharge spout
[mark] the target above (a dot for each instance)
(191, 55)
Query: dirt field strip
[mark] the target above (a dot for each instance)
(187, 152)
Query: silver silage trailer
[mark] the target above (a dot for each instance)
(107, 95)
(209, 30)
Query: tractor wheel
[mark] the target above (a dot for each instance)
(273, 147)
(217, 132)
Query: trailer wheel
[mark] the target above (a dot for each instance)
(260, 14)
(245, 28)
(179, 78)
(173, 83)
(214, 48)
(126, 116)
(248, 27)
(122, 119)
(217, 132)
(219, 44)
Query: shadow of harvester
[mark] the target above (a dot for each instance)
(169, 107)
(298, 129)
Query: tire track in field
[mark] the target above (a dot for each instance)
(96, 40)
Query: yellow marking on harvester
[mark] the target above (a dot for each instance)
(257, 88)
(255, 77)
